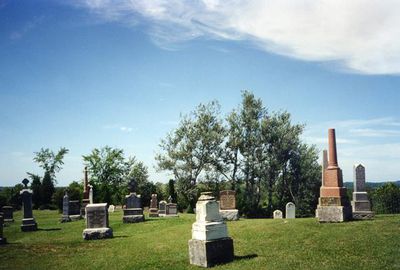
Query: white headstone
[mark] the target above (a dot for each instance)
(111, 208)
(290, 210)
(91, 195)
(278, 214)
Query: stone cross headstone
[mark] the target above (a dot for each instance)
(8, 213)
(361, 205)
(28, 221)
(333, 203)
(290, 210)
(133, 212)
(227, 205)
(153, 211)
(162, 208)
(210, 243)
(3, 240)
(278, 214)
(97, 222)
(65, 215)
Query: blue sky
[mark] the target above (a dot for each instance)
(94, 73)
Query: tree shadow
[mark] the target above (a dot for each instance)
(49, 230)
(245, 257)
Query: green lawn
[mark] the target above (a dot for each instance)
(163, 244)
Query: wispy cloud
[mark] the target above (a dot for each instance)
(359, 36)
(27, 27)
(119, 127)
(368, 132)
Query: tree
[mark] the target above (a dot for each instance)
(110, 172)
(386, 199)
(49, 161)
(191, 150)
(36, 186)
(171, 190)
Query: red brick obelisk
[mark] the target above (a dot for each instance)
(333, 206)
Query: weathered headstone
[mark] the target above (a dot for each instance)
(28, 222)
(210, 243)
(227, 204)
(153, 210)
(278, 214)
(333, 205)
(360, 204)
(162, 211)
(97, 222)
(8, 213)
(74, 211)
(3, 240)
(65, 215)
(111, 208)
(86, 199)
(290, 210)
(171, 209)
(133, 212)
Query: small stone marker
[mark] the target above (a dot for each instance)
(171, 209)
(290, 210)
(97, 222)
(278, 214)
(153, 211)
(65, 215)
(3, 240)
(134, 211)
(360, 204)
(162, 208)
(210, 243)
(8, 213)
(28, 222)
(111, 208)
(227, 205)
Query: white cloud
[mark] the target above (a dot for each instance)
(360, 36)
(119, 127)
(368, 132)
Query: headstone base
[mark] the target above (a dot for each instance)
(363, 215)
(210, 253)
(28, 225)
(334, 213)
(97, 233)
(209, 231)
(230, 215)
(65, 219)
(153, 212)
(75, 217)
(133, 219)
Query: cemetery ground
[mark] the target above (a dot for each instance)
(162, 243)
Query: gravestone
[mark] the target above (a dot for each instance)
(65, 215)
(210, 243)
(28, 222)
(3, 240)
(133, 212)
(74, 210)
(290, 210)
(97, 222)
(153, 210)
(162, 211)
(278, 214)
(91, 194)
(171, 209)
(360, 204)
(111, 209)
(8, 213)
(227, 205)
(333, 203)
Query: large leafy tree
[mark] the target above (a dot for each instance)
(49, 161)
(189, 151)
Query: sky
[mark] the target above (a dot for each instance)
(86, 74)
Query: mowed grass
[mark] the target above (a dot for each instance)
(162, 243)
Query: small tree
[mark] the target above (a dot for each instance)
(386, 199)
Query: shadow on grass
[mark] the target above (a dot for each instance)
(49, 230)
(245, 257)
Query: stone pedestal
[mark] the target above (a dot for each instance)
(153, 210)
(210, 244)
(227, 203)
(361, 205)
(28, 222)
(97, 222)
(333, 205)
(8, 214)
(134, 211)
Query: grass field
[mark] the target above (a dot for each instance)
(163, 244)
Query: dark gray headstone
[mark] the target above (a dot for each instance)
(8, 213)
(66, 205)
(74, 208)
(28, 222)
(359, 178)
(162, 208)
(133, 201)
(96, 216)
